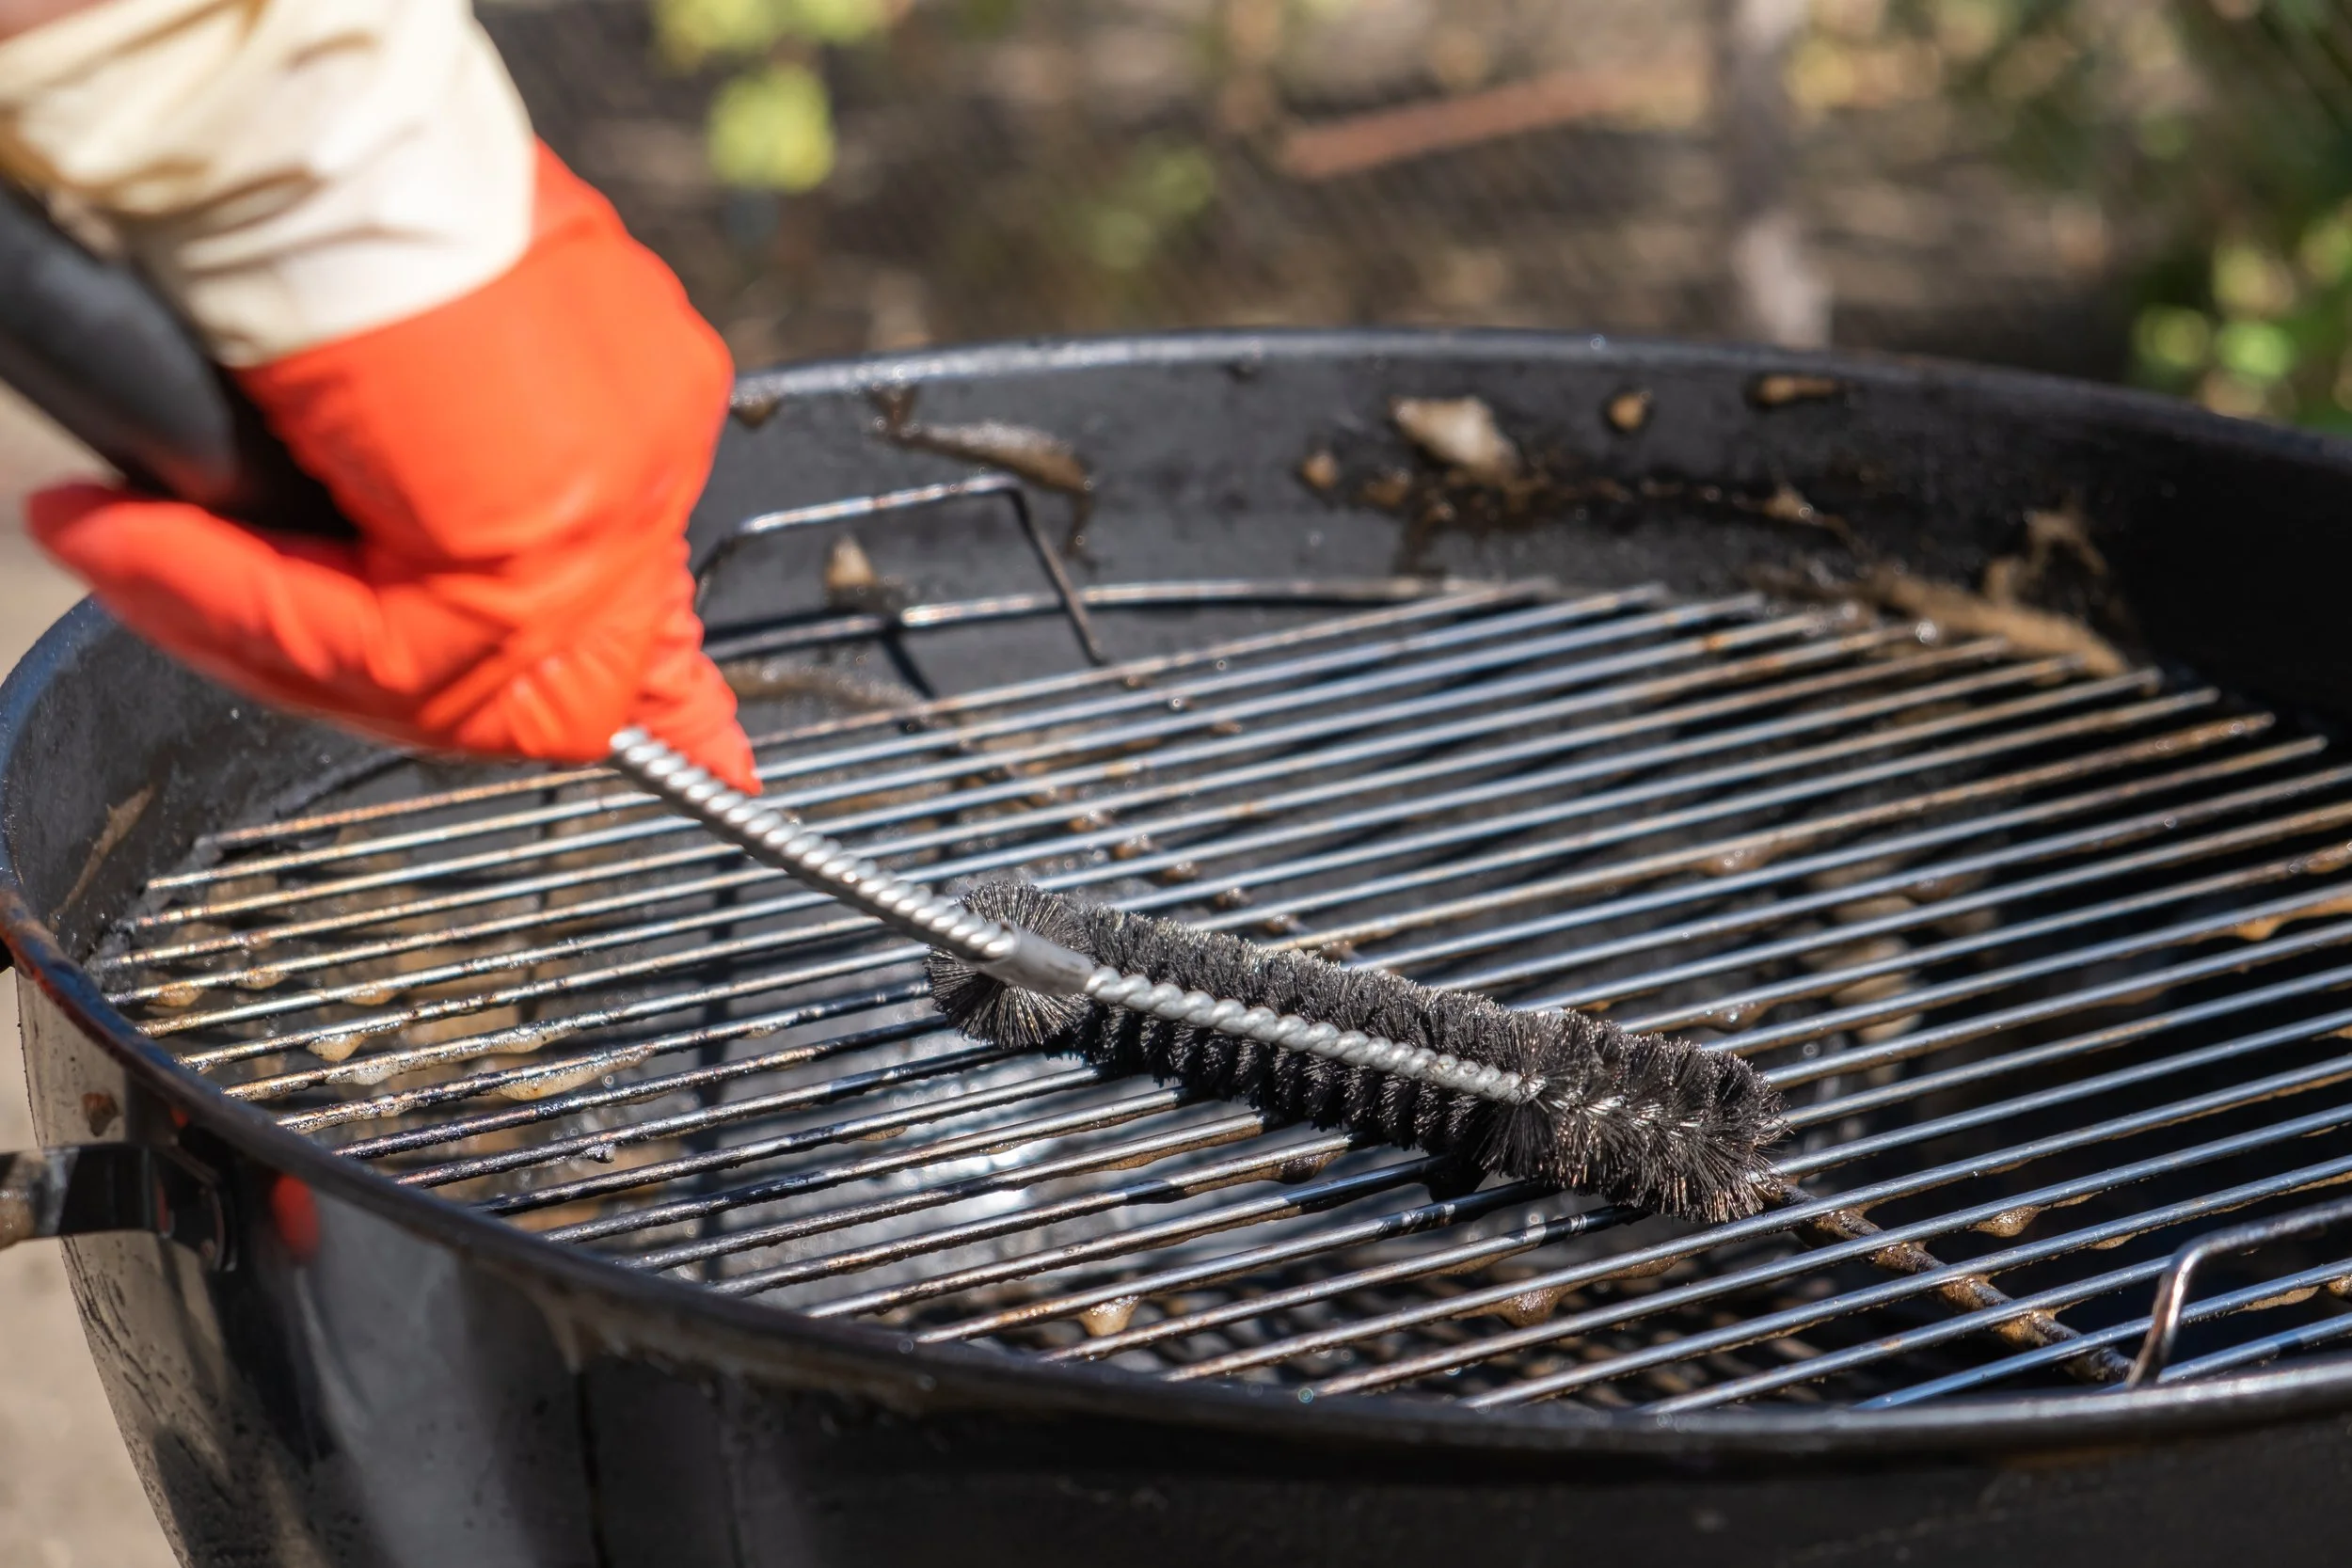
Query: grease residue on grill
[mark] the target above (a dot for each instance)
(1036, 456)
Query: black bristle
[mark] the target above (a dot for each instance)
(986, 1008)
(1648, 1121)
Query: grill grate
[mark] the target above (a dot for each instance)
(2049, 967)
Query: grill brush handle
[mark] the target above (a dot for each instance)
(89, 342)
(774, 837)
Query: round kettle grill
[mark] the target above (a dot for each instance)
(473, 1164)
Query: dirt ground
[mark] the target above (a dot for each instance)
(68, 1496)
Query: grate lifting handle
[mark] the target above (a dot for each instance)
(2164, 1317)
(1000, 485)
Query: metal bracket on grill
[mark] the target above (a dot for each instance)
(2164, 1319)
(1073, 605)
(87, 1188)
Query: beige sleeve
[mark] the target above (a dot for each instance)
(293, 171)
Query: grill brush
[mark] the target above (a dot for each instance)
(1648, 1121)
(1641, 1118)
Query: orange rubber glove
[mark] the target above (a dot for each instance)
(518, 463)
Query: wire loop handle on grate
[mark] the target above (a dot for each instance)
(2164, 1317)
(1066, 592)
(1014, 955)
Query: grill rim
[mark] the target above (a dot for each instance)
(1243, 351)
(676, 1318)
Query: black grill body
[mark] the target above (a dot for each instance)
(425, 1385)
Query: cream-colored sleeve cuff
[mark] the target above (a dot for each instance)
(293, 171)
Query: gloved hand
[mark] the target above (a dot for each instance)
(519, 463)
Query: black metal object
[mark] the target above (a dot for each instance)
(89, 340)
(90, 1188)
(601, 1416)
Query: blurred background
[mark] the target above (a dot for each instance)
(2157, 190)
(2152, 190)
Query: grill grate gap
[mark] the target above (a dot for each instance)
(2050, 967)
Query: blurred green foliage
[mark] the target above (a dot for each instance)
(690, 32)
(2251, 311)
(2197, 153)
(2219, 133)
(1165, 185)
(770, 124)
(771, 129)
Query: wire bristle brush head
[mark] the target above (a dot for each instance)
(1641, 1120)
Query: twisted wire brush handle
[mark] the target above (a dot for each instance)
(1019, 958)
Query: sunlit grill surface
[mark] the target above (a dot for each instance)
(2050, 968)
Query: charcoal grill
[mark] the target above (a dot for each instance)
(483, 1166)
